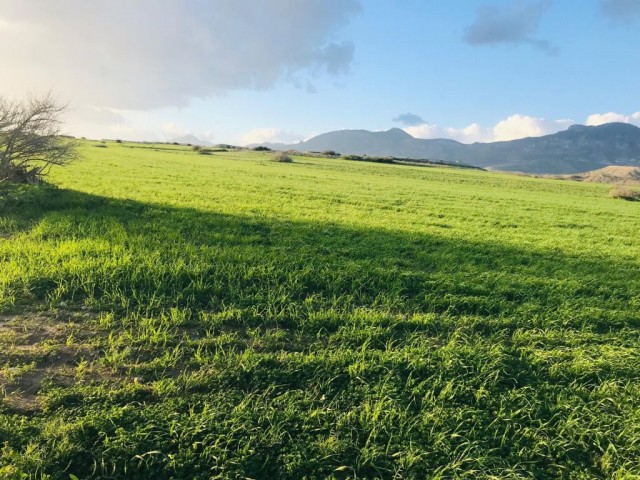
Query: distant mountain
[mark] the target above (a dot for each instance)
(193, 140)
(577, 149)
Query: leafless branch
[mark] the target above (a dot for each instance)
(31, 140)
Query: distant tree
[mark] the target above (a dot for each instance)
(30, 139)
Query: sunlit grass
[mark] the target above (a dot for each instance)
(228, 316)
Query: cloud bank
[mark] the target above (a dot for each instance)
(150, 54)
(624, 11)
(515, 23)
(514, 127)
(609, 117)
(511, 128)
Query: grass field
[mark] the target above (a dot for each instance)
(165, 314)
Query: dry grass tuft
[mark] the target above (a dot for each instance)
(624, 193)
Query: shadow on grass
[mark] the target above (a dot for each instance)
(410, 362)
(157, 255)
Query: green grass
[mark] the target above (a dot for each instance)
(172, 315)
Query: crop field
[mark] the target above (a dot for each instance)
(167, 314)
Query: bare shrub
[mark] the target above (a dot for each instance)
(30, 139)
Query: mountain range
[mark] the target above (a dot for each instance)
(578, 149)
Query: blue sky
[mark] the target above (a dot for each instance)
(242, 71)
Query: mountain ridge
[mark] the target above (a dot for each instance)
(577, 149)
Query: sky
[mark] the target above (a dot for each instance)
(251, 71)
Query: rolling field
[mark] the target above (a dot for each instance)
(165, 314)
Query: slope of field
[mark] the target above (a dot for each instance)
(165, 314)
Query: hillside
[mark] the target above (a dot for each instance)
(616, 175)
(575, 150)
(165, 314)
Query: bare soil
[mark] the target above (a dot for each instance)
(39, 348)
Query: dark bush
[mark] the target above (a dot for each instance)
(282, 158)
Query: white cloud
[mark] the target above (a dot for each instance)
(602, 118)
(94, 115)
(172, 131)
(150, 54)
(522, 126)
(425, 130)
(470, 134)
(518, 126)
(130, 132)
(511, 128)
(95, 122)
(123, 131)
(270, 135)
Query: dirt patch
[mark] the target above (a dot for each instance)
(44, 348)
